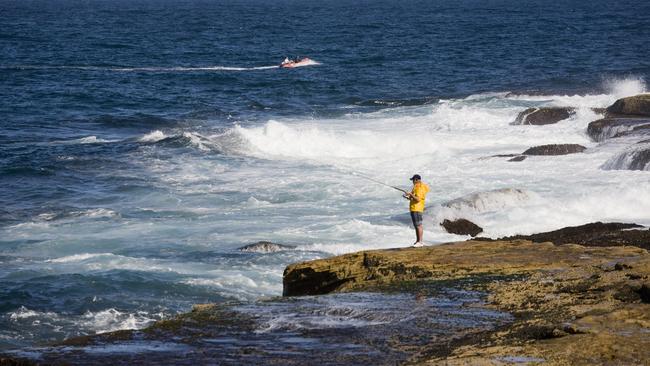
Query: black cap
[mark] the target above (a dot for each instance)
(416, 177)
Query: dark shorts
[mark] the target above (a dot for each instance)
(417, 218)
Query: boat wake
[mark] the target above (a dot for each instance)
(138, 69)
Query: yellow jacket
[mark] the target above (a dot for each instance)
(420, 191)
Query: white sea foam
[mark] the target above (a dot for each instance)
(154, 136)
(489, 201)
(241, 284)
(78, 257)
(620, 88)
(85, 140)
(634, 157)
(25, 313)
(107, 320)
(92, 213)
(110, 320)
(96, 212)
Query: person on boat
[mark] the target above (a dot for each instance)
(416, 206)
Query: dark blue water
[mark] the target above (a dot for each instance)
(113, 71)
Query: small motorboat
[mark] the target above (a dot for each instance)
(303, 61)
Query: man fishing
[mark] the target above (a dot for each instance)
(416, 206)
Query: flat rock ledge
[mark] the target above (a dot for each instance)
(572, 304)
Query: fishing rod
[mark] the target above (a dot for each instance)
(378, 182)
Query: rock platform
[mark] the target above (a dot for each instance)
(573, 304)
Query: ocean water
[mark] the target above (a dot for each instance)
(142, 142)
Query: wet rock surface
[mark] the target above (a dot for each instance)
(572, 304)
(265, 247)
(555, 149)
(627, 117)
(607, 128)
(543, 116)
(461, 227)
(638, 105)
(594, 234)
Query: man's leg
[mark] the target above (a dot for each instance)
(415, 225)
(418, 233)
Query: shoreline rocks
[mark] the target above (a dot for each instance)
(593, 234)
(628, 116)
(607, 128)
(265, 247)
(572, 304)
(543, 116)
(638, 105)
(555, 149)
(545, 150)
(461, 227)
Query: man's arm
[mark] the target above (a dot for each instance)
(412, 197)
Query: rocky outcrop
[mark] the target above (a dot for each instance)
(593, 234)
(555, 149)
(543, 116)
(552, 149)
(447, 261)
(626, 117)
(265, 247)
(606, 128)
(638, 105)
(461, 227)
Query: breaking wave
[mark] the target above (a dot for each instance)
(493, 200)
(107, 320)
(636, 157)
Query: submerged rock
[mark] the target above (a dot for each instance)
(555, 149)
(543, 116)
(461, 227)
(265, 247)
(495, 199)
(593, 234)
(638, 105)
(518, 158)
